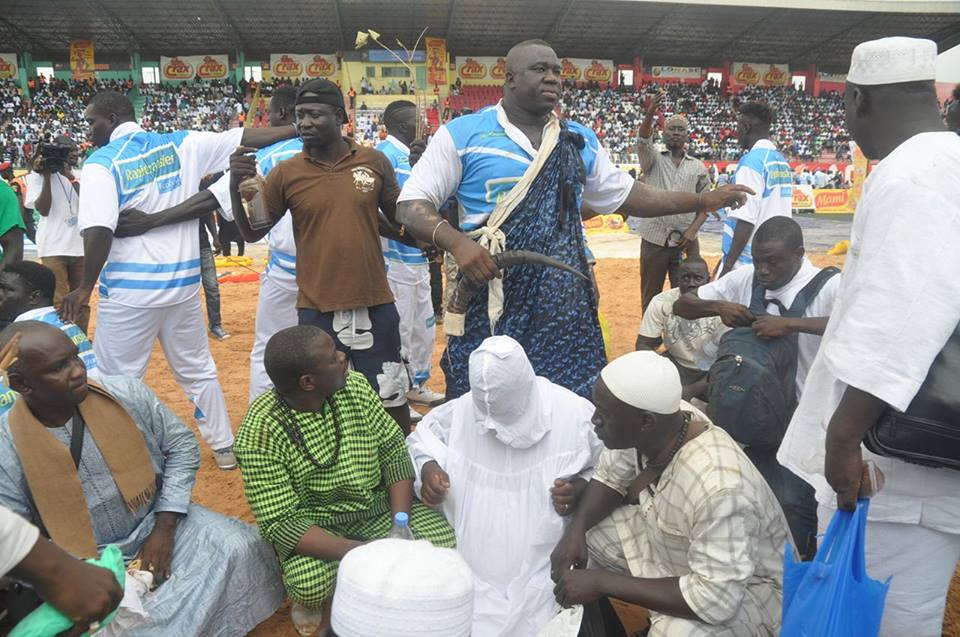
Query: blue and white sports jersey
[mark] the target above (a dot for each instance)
(480, 157)
(151, 172)
(395, 252)
(765, 170)
(282, 265)
(84, 349)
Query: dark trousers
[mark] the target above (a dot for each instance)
(656, 263)
(211, 287)
(796, 497)
(226, 246)
(436, 287)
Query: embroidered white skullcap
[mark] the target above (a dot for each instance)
(403, 588)
(644, 380)
(892, 61)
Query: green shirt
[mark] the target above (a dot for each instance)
(288, 493)
(10, 216)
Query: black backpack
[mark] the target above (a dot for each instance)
(752, 386)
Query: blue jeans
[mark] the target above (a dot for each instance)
(796, 497)
(211, 288)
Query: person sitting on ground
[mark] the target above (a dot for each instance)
(684, 340)
(501, 447)
(781, 268)
(404, 589)
(111, 464)
(27, 290)
(676, 518)
(324, 467)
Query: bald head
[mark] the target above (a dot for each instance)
(48, 371)
(532, 80)
(519, 53)
(35, 337)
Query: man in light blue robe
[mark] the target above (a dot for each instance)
(220, 579)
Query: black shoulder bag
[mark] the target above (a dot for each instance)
(928, 432)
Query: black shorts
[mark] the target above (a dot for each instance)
(370, 336)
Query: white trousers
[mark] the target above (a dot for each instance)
(276, 310)
(124, 340)
(417, 325)
(921, 561)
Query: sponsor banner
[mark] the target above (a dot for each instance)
(861, 168)
(481, 70)
(838, 78)
(584, 70)
(304, 66)
(677, 72)
(8, 66)
(82, 65)
(187, 67)
(754, 74)
(436, 61)
(832, 201)
(803, 197)
(605, 224)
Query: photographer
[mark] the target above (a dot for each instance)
(54, 191)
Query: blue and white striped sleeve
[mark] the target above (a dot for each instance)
(99, 201)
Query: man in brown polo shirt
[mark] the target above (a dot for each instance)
(333, 190)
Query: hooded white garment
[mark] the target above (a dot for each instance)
(503, 445)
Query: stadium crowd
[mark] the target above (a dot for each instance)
(207, 106)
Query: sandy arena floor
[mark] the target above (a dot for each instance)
(223, 491)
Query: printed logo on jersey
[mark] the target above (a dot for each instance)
(499, 187)
(363, 179)
(138, 172)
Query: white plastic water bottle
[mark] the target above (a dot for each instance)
(401, 527)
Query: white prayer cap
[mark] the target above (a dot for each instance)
(892, 61)
(503, 388)
(403, 588)
(644, 380)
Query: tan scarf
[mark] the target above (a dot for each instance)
(52, 476)
(491, 237)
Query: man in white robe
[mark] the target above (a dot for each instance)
(897, 306)
(506, 463)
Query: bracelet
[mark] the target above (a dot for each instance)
(433, 237)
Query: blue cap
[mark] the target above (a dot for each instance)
(401, 518)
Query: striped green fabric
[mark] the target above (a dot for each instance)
(289, 494)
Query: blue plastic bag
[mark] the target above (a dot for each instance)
(832, 596)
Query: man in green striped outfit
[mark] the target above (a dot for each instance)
(324, 467)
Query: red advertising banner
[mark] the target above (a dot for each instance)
(755, 74)
(305, 66)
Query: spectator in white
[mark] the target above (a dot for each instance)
(402, 588)
(765, 170)
(895, 312)
(820, 178)
(56, 196)
(85, 594)
(781, 268)
(150, 284)
(684, 340)
(519, 443)
(696, 536)
(666, 239)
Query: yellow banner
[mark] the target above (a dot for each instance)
(436, 61)
(605, 224)
(861, 166)
(8, 66)
(82, 65)
(832, 201)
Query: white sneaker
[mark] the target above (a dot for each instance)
(425, 396)
(225, 459)
(307, 621)
(415, 416)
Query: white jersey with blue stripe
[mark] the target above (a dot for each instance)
(282, 264)
(766, 171)
(394, 252)
(492, 162)
(480, 157)
(151, 172)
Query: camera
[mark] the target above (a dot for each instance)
(55, 156)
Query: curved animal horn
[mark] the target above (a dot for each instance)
(465, 290)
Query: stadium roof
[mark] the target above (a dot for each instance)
(687, 33)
